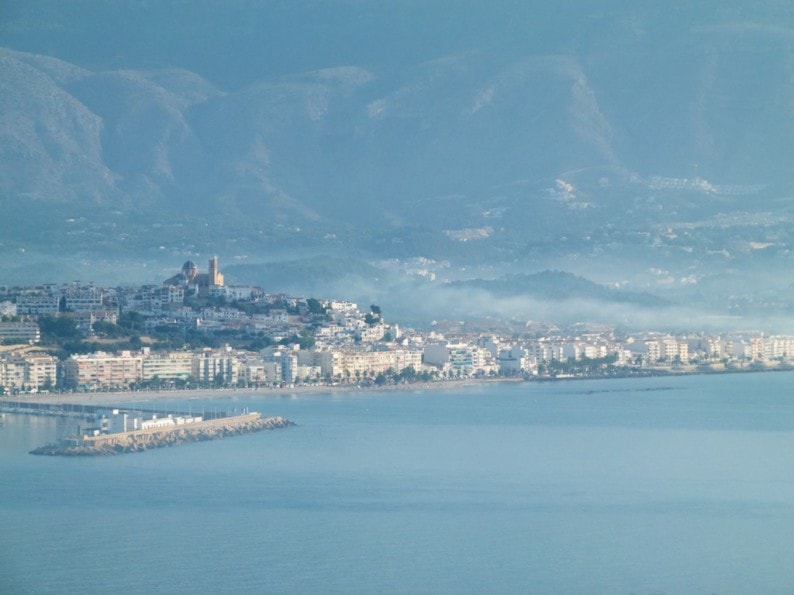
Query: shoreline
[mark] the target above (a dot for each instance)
(127, 397)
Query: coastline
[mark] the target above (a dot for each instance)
(127, 397)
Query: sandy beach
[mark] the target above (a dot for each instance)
(127, 397)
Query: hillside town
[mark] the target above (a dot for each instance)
(194, 331)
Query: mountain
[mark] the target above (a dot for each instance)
(622, 141)
(561, 286)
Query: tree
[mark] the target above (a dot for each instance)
(130, 322)
(315, 306)
(408, 373)
(59, 327)
(106, 329)
(306, 339)
(260, 343)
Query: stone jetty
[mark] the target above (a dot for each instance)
(141, 440)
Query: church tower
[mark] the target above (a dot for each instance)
(214, 276)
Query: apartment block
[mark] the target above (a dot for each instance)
(98, 370)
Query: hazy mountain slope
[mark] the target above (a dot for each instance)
(630, 141)
(50, 143)
(455, 126)
(560, 286)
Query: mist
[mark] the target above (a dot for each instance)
(640, 149)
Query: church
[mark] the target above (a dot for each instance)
(191, 280)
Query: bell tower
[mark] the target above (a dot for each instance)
(214, 276)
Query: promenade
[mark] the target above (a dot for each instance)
(130, 397)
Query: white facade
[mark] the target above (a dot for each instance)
(167, 366)
(85, 299)
(513, 361)
(216, 366)
(97, 370)
(8, 308)
(234, 292)
(28, 371)
(38, 304)
(27, 332)
(461, 359)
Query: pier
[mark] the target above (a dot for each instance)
(118, 432)
(142, 440)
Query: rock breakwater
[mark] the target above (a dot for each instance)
(142, 440)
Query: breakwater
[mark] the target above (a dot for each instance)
(142, 440)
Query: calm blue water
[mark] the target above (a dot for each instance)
(675, 485)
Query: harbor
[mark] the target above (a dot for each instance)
(108, 430)
(169, 432)
(83, 410)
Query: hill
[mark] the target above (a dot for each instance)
(619, 141)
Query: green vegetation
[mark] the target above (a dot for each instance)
(315, 306)
(58, 328)
(406, 376)
(65, 339)
(586, 367)
(305, 339)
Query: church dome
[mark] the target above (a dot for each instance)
(190, 270)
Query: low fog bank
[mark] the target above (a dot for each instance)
(726, 301)
(417, 301)
(417, 304)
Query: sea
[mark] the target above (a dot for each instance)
(638, 486)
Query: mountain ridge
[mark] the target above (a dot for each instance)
(613, 141)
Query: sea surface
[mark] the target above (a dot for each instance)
(645, 486)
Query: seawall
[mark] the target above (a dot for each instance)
(141, 440)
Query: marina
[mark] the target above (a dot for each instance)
(82, 410)
(104, 430)
(170, 431)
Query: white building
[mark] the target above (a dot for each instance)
(84, 299)
(175, 365)
(20, 332)
(28, 371)
(8, 308)
(216, 366)
(513, 361)
(103, 370)
(38, 304)
(460, 359)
